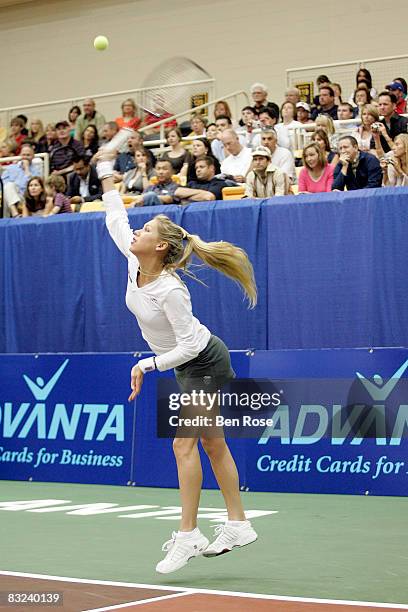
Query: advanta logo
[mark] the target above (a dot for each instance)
(39, 389)
(60, 421)
(378, 390)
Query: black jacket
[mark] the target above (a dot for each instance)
(368, 174)
(94, 186)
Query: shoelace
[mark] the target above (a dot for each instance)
(225, 534)
(176, 550)
(167, 545)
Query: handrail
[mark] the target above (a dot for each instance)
(161, 123)
(16, 158)
(360, 61)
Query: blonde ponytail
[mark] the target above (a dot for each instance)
(223, 256)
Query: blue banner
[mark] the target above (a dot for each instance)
(340, 425)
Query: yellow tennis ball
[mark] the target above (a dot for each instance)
(101, 43)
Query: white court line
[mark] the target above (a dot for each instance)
(193, 590)
(139, 602)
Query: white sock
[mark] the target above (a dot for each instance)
(237, 523)
(188, 534)
(104, 168)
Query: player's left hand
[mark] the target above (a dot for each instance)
(136, 381)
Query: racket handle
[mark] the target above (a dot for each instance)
(118, 141)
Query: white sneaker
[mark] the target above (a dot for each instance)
(229, 537)
(180, 551)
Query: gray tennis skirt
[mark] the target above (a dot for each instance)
(210, 370)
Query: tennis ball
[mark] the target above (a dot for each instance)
(101, 43)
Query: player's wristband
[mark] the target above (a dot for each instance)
(104, 169)
(147, 365)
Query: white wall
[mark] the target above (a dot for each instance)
(46, 47)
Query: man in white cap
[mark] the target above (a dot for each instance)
(265, 180)
(303, 112)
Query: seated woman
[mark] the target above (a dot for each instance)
(222, 109)
(361, 97)
(90, 140)
(7, 149)
(36, 135)
(197, 125)
(35, 198)
(50, 137)
(73, 115)
(395, 163)
(177, 156)
(129, 117)
(317, 174)
(363, 77)
(321, 138)
(363, 133)
(326, 123)
(200, 147)
(211, 132)
(135, 181)
(16, 134)
(288, 113)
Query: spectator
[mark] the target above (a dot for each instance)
(239, 158)
(57, 201)
(398, 90)
(265, 180)
(259, 93)
(3, 134)
(90, 140)
(109, 130)
(250, 122)
(364, 76)
(16, 135)
(392, 124)
(16, 177)
(50, 136)
(73, 115)
(292, 95)
(289, 121)
(201, 147)
(83, 183)
(197, 125)
(177, 156)
(206, 180)
(356, 169)
(268, 118)
(222, 109)
(322, 79)
(63, 152)
(129, 118)
(336, 87)
(6, 150)
(211, 132)
(24, 119)
(326, 103)
(91, 115)
(222, 123)
(403, 83)
(364, 133)
(36, 136)
(303, 113)
(321, 138)
(344, 112)
(126, 161)
(280, 156)
(166, 191)
(395, 163)
(135, 181)
(361, 97)
(326, 123)
(35, 198)
(316, 176)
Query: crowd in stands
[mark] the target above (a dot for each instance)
(358, 143)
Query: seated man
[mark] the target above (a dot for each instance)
(166, 191)
(259, 93)
(327, 104)
(239, 158)
(345, 111)
(15, 178)
(206, 179)
(269, 119)
(63, 152)
(265, 180)
(90, 116)
(281, 157)
(303, 112)
(391, 124)
(356, 169)
(83, 184)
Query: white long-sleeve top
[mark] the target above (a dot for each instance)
(163, 307)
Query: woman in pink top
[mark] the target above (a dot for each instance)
(317, 175)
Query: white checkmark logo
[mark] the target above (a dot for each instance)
(380, 391)
(39, 389)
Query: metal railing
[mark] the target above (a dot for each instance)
(383, 70)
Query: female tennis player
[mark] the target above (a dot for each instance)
(161, 304)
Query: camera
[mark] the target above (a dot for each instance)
(376, 126)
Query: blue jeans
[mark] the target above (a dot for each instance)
(151, 199)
